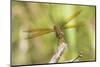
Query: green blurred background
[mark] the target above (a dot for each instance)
(39, 50)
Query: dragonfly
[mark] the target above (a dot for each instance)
(57, 28)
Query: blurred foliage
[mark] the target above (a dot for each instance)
(28, 15)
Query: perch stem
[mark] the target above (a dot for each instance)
(58, 53)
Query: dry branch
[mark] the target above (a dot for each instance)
(58, 53)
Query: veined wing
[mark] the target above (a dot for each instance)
(73, 26)
(38, 32)
(71, 17)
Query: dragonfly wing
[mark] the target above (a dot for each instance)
(71, 17)
(73, 26)
(38, 33)
(69, 26)
(38, 30)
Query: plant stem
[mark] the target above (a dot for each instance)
(79, 56)
(58, 53)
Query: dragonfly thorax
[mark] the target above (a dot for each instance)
(59, 32)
